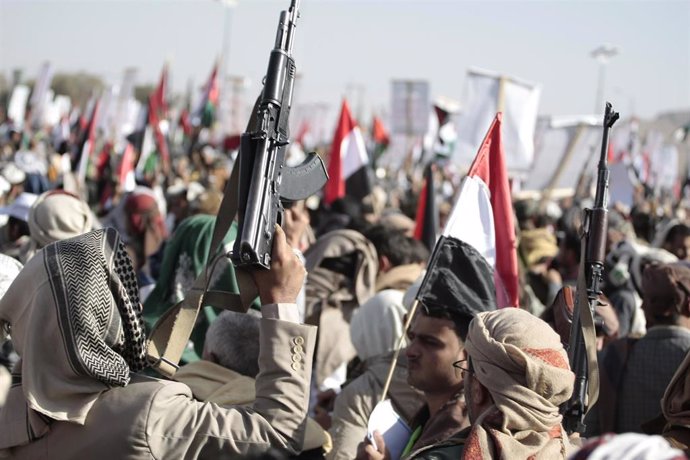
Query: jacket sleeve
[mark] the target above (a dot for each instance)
(180, 427)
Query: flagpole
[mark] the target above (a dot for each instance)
(500, 103)
(399, 347)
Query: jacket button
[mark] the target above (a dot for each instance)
(296, 358)
(298, 341)
(297, 349)
(296, 366)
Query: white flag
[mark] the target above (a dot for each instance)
(487, 93)
(563, 148)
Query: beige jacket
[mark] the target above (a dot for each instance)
(211, 382)
(354, 404)
(157, 419)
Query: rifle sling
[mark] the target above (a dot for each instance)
(588, 333)
(171, 333)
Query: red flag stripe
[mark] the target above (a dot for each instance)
(335, 187)
(489, 165)
(421, 212)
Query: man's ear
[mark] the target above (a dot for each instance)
(208, 356)
(384, 264)
(480, 395)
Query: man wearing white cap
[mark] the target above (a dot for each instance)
(15, 177)
(16, 233)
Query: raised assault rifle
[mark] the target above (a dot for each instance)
(583, 356)
(265, 181)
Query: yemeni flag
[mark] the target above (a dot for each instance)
(205, 112)
(458, 282)
(427, 225)
(483, 215)
(348, 163)
(380, 139)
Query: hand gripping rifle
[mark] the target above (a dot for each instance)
(582, 346)
(265, 182)
(259, 185)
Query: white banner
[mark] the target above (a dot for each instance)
(563, 148)
(38, 96)
(121, 116)
(107, 111)
(56, 109)
(664, 167)
(485, 94)
(410, 107)
(16, 109)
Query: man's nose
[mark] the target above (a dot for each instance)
(411, 351)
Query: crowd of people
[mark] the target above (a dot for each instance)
(89, 266)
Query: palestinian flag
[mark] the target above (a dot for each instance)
(380, 139)
(205, 112)
(87, 145)
(348, 163)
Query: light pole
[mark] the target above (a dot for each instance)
(223, 85)
(228, 5)
(602, 54)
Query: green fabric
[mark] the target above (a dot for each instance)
(208, 115)
(451, 448)
(379, 149)
(151, 164)
(415, 435)
(183, 259)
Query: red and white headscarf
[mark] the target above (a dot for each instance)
(521, 362)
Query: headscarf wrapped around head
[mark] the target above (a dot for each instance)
(665, 287)
(58, 215)
(536, 245)
(377, 325)
(521, 362)
(142, 211)
(361, 268)
(342, 267)
(75, 320)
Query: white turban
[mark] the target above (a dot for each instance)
(57, 216)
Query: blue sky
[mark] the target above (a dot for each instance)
(346, 44)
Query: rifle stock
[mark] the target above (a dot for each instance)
(592, 270)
